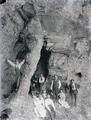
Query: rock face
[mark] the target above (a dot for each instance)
(67, 27)
(19, 30)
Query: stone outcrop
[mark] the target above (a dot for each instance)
(67, 26)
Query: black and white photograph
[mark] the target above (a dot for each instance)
(45, 59)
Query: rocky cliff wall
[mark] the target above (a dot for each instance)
(67, 26)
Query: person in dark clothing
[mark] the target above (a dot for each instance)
(66, 87)
(4, 116)
(73, 91)
(56, 86)
(45, 55)
(34, 84)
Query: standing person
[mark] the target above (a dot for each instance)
(41, 82)
(34, 84)
(45, 55)
(17, 65)
(56, 86)
(73, 91)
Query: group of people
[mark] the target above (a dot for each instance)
(44, 106)
(44, 102)
(37, 83)
(57, 90)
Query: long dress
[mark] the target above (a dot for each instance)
(49, 103)
(39, 109)
(62, 101)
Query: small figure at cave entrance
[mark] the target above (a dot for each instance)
(41, 82)
(17, 65)
(73, 91)
(34, 84)
(45, 55)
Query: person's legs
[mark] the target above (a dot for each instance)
(18, 83)
(17, 79)
(56, 94)
(75, 98)
(40, 89)
(71, 96)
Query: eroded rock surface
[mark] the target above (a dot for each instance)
(68, 27)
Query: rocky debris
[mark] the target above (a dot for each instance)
(5, 114)
(58, 63)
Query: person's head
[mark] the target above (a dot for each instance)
(34, 96)
(40, 96)
(21, 35)
(45, 43)
(61, 91)
(72, 81)
(35, 76)
(44, 94)
(41, 75)
(56, 77)
(37, 94)
(48, 96)
(16, 61)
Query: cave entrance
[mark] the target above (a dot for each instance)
(42, 67)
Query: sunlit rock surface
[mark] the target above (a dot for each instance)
(67, 24)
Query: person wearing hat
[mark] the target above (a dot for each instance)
(45, 55)
(73, 91)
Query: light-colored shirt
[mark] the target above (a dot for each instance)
(59, 84)
(62, 96)
(73, 86)
(52, 85)
(39, 107)
(41, 80)
(48, 103)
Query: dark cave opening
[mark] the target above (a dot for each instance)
(42, 67)
(43, 64)
(79, 74)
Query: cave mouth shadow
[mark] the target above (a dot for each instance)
(79, 74)
(42, 66)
